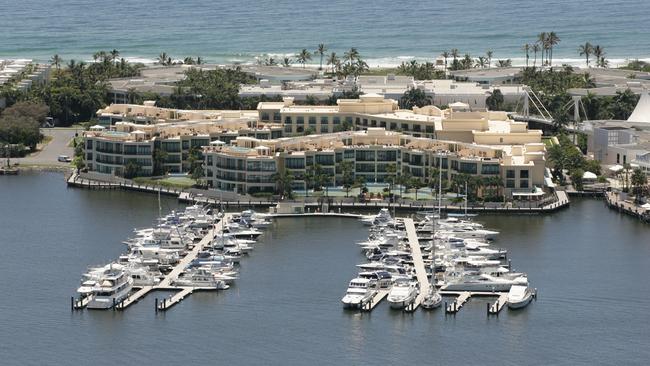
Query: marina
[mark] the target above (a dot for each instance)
(458, 252)
(201, 268)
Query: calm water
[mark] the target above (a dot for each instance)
(385, 31)
(590, 264)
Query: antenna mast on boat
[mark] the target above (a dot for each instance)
(466, 198)
(440, 189)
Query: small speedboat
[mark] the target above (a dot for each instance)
(520, 296)
(403, 293)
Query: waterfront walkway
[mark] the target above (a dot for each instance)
(336, 204)
(614, 201)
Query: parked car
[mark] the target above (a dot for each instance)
(64, 158)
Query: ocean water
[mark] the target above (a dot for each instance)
(385, 31)
(589, 263)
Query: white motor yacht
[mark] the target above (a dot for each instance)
(112, 287)
(360, 291)
(520, 296)
(200, 277)
(484, 283)
(403, 293)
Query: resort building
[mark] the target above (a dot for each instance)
(242, 150)
(248, 165)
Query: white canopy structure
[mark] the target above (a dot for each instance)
(589, 175)
(641, 113)
(615, 168)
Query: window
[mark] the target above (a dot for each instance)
(523, 183)
(382, 124)
(428, 129)
(373, 123)
(325, 159)
(363, 155)
(393, 126)
(510, 183)
(454, 164)
(312, 120)
(337, 120)
(383, 155)
(295, 163)
(324, 128)
(277, 117)
(490, 169)
(288, 120)
(618, 158)
(405, 127)
(89, 144)
(469, 168)
(365, 121)
(287, 128)
(186, 145)
(324, 120)
(300, 120)
(523, 174)
(265, 116)
(510, 173)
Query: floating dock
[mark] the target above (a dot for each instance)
(418, 263)
(167, 303)
(380, 295)
(499, 304)
(455, 306)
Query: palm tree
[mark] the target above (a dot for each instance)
(283, 181)
(286, 62)
(552, 39)
(599, 54)
(541, 40)
(163, 58)
(481, 61)
(504, 63)
(332, 60)
(586, 50)
(199, 60)
(303, 57)
(56, 61)
(535, 50)
(445, 55)
(114, 54)
(321, 51)
(489, 55)
(638, 180)
(455, 54)
(351, 55)
(526, 48)
(391, 170)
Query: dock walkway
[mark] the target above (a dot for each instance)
(418, 262)
(498, 304)
(380, 295)
(455, 306)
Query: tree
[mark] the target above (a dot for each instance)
(131, 169)
(445, 55)
(416, 183)
(164, 59)
(78, 163)
(309, 178)
(586, 50)
(321, 51)
(599, 54)
(114, 55)
(535, 49)
(286, 62)
(347, 176)
(159, 157)
(504, 63)
(391, 177)
(576, 179)
(56, 60)
(481, 62)
(489, 55)
(639, 181)
(283, 182)
(414, 97)
(543, 45)
(351, 55)
(303, 57)
(195, 160)
(333, 60)
(552, 40)
(19, 124)
(526, 49)
(495, 101)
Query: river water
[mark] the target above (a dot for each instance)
(591, 266)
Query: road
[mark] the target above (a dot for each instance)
(49, 153)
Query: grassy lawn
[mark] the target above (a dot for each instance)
(169, 182)
(381, 71)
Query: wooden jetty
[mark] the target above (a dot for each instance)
(134, 297)
(498, 304)
(418, 263)
(455, 306)
(380, 295)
